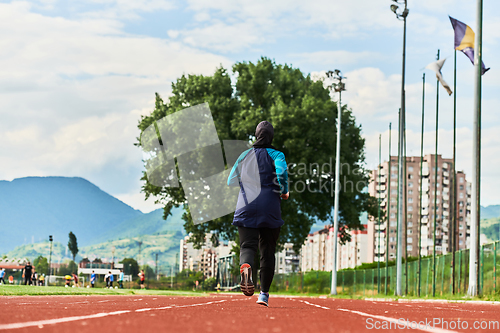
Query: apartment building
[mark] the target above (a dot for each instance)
(287, 261)
(204, 259)
(436, 204)
(317, 251)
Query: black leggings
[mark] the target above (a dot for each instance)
(265, 240)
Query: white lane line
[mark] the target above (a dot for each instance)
(396, 321)
(316, 305)
(41, 323)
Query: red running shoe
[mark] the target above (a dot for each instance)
(246, 283)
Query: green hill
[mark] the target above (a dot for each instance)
(166, 245)
(491, 228)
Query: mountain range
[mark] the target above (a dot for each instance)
(33, 208)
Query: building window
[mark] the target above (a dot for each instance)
(461, 218)
(392, 239)
(410, 232)
(410, 176)
(394, 168)
(410, 208)
(410, 224)
(410, 200)
(410, 169)
(409, 247)
(460, 234)
(409, 240)
(410, 184)
(410, 192)
(410, 216)
(461, 226)
(461, 179)
(394, 191)
(460, 203)
(461, 187)
(393, 215)
(461, 195)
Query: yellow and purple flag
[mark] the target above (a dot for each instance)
(464, 40)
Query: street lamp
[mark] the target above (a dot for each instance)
(113, 257)
(401, 16)
(337, 86)
(50, 257)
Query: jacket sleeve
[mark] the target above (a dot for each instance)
(281, 169)
(234, 176)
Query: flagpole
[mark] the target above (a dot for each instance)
(476, 153)
(398, 226)
(406, 207)
(420, 198)
(378, 210)
(435, 193)
(388, 218)
(454, 179)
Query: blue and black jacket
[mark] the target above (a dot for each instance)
(262, 176)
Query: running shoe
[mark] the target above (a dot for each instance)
(246, 284)
(263, 299)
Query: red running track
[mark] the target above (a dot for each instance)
(237, 313)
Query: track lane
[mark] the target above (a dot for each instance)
(222, 313)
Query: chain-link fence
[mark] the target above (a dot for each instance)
(436, 278)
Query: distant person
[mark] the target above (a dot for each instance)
(68, 280)
(106, 279)
(142, 276)
(2, 275)
(120, 279)
(11, 279)
(75, 280)
(92, 279)
(27, 273)
(34, 278)
(111, 279)
(41, 280)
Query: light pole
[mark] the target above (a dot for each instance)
(337, 86)
(50, 258)
(474, 286)
(113, 257)
(401, 16)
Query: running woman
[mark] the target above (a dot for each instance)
(261, 173)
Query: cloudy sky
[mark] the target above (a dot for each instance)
(75, 76)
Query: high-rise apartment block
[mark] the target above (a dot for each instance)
(436, 204)
(317, 250)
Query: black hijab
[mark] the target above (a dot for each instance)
(264, 134)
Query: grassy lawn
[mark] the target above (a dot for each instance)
(6, 290)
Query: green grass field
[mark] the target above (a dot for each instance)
(6, 290)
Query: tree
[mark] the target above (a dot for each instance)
(68, 269)
(304, 118)
(41, 265)
(130, 267)
(73, 245)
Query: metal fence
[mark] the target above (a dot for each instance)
(368, 282)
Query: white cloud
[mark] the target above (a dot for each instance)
(73, 91)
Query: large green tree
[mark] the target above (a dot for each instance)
(304, 118)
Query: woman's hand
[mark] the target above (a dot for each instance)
(285, 196)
